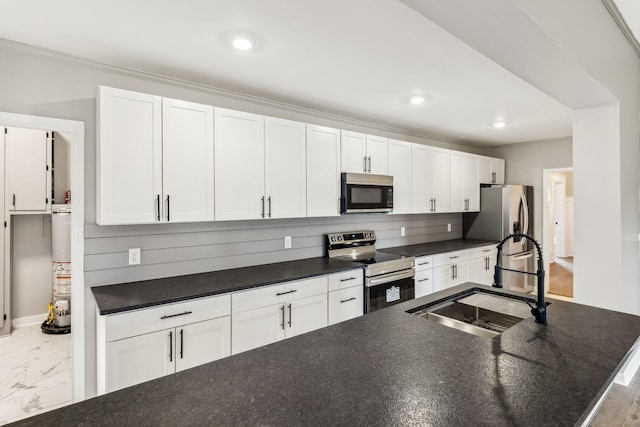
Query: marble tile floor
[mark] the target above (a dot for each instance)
(35, 373)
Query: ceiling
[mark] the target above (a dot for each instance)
(360, 59)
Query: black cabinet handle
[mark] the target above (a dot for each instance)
(423, 280)
(289, 315)
(282, 323)
(423, 263)
(167, 316)
(288, 292)
(168, 209)
(347, 279)
(269, 212)
(181, 343)
(170, 346)
(262, 203)
(158, 206)
(347, 300)
(14, 200)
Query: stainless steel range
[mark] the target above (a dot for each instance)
(388, 277)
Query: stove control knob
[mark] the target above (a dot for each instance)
(373, 236)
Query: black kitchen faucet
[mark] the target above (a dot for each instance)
(540, 310)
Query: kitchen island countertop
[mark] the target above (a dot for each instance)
(433, 248)
(389, 368)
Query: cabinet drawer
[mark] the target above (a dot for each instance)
(483, 251)
(166, 316)
(346, 304)
(450, 257)
(269, 295)
(423, 283)
(424, 262)
(346, 279)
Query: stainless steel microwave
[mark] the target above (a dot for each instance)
(366, 193)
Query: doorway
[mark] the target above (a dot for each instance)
(558, 231)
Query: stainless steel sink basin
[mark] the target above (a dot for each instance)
(477, 311)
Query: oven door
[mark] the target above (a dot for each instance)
(388, 289)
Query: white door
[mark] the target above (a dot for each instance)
(400, 169)
(423, 282)
(377, 153)
(559, 195)
(440, 179)
(187, 160)
(203, 342)
(239, 165)
(255, 328)
(421, 198)
(471, 184)
(456, 182)
(28, 169)
(353, 152)
(141, 358)
(129, 179)
(306, 314)
(345, 304)
(323, 171)
(285, 169)
(3, 242)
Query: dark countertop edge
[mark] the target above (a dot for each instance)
(99, 290)
(441, 246)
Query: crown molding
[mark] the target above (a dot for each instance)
(51, 55)
(622, 24)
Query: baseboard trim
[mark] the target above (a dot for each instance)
(29, 320)
(630, 367)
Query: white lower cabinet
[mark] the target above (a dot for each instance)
(141, 345)
(346, 296)
(482, 262)
(423, 279)
(269, 314)
(450, 269)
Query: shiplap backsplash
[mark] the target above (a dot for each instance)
(179, 249)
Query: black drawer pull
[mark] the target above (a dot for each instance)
(175, 315)
(423, 280)
(347, 279)
(347, 300)
(423, 263)
(288, 292)
(454, 257)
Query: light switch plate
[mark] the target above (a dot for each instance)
(287, 242)
(134, 256)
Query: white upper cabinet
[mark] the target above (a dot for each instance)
(464, 188)
(260, 166)
(490, 170)
(440, 180)
(28, 172)
(285, 169)
(187, 161)
(400, 169)
(323, 171)
(421, 198)
(239, 165)
(129, 157)
(497, 171)
(364, 153)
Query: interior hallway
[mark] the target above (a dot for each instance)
(561, 277)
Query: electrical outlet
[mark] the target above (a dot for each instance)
(449, 227)
(402, 232)
(287, 242)
(134, 256)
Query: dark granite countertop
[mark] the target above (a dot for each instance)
(129, 296)
(389, 368)
(433, 248)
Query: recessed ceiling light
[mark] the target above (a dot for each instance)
(417, 99)
(242, 43)
(499, 124)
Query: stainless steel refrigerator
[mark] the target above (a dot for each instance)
(505, 209)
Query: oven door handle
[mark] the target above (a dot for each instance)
(390, 277)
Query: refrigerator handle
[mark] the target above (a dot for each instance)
(525, 212)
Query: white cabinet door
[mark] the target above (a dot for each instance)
(202, 342)
(239, 165)
(471, 184)
(129, 157)
(346, 304)
(484, 170)
(423, 282)
(421, 175)
(497, 171)
(323, 171)
(460, 273)
(442, 277)
(377, 155)
(400, 169)
(28, 171)
(456, 182)
(141, 358)
(305, 315)
(255, 328)
(187, 161)
(5, 324)
(477, 267)
(353, 152)
(440, 179)
(285, 169)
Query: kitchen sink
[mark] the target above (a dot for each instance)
(480, 312)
